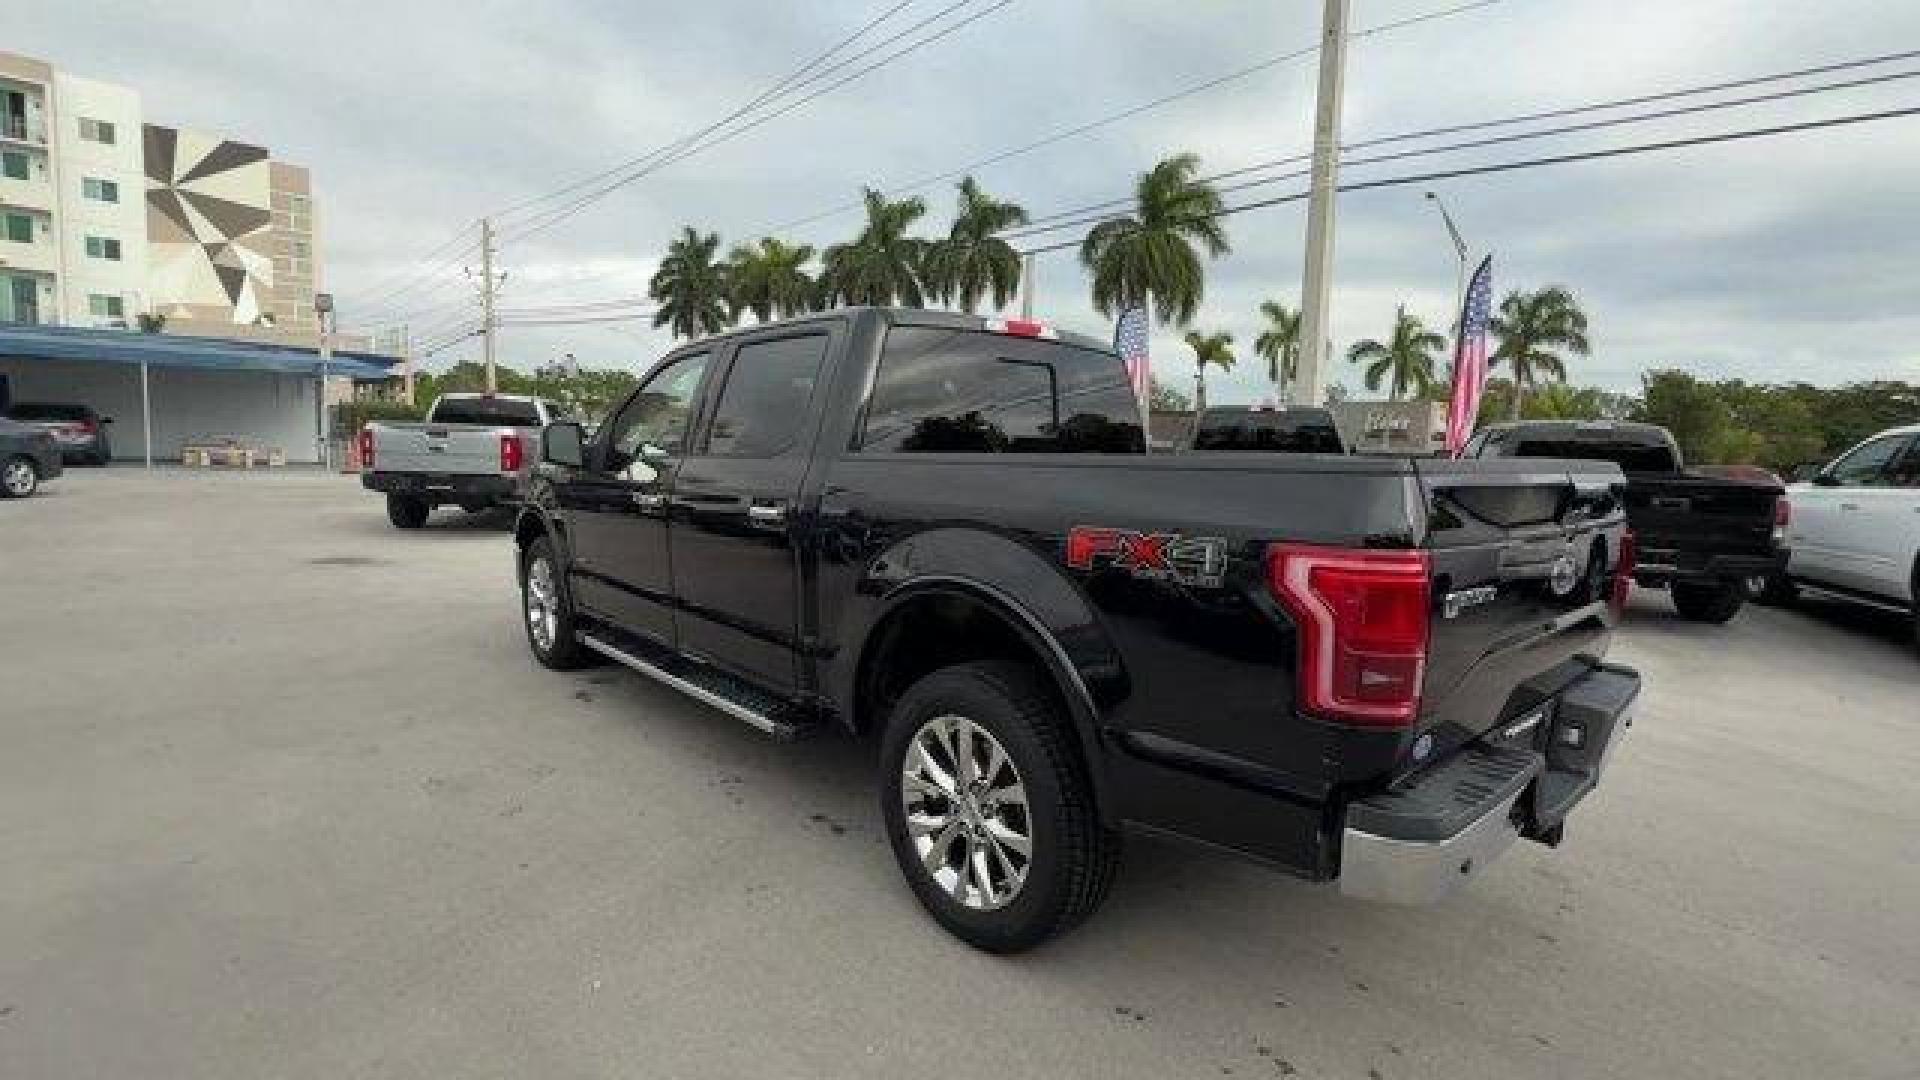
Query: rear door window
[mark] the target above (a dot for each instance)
(942, 390)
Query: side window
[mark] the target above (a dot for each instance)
(765, 401)
(1865, 466)
(658, 414)
(1905, 470)
(951, 391)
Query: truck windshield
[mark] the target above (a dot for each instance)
(507, 412)
(1630, 456)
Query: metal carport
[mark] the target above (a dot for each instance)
(36, 357)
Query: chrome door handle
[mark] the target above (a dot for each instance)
(763, 514)
(649, 500)
(1849, 506)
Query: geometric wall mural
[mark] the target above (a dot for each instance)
(209, 217)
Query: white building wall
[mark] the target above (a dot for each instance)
(77, 217)
(189, 404)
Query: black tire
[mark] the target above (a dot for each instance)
(1708, 601)
(407, 511)
(1073, 856)
(19, 477)
(561, 650)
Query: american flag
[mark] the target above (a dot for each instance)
(1470, 358)
(1130, 341)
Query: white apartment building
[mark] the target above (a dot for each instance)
(105, 217)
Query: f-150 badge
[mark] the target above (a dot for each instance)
(1199, 561)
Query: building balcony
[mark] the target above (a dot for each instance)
(42, 257)
(26, 194)
(22, 129)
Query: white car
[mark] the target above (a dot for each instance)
(1855, 532)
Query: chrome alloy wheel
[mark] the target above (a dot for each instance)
(966, 811)
(19, 478)
(543, 603)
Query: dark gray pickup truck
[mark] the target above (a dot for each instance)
(1700, 537)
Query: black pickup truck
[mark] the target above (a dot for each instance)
(1700, 537)
(947, 532)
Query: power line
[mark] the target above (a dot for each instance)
(1127, 113)
(1079, 216)
(444, 245)
(561, 214)
(772, 91)
(1556, 159)
(583, 320)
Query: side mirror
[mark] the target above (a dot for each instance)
(563, 443)
(106, 419)
(1825, 479)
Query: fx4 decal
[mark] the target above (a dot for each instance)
(1198, 561)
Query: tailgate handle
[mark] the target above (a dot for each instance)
(1671, 502)
(1849, 506)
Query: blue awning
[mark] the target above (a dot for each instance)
(28, 342)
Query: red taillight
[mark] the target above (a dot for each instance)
(83, 427)
(1363, 619)
(1782, 517)
(1623, 567)
(512, 455)
(366, 449)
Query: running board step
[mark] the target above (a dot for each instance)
(704, 684)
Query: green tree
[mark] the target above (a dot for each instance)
(690, 287)
(1164, 398)
(1693, 410)
(973, 262)
(770, 279)
(1405, 361)
(1530, 327)
(883, 264)
(1208, 349)
(1279, 343)
(1150, 255)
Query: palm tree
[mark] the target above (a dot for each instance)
(883, 264)
(1149, 256)
(1280, 344)
(769, 279)
(690, 287)
(1215, 349)
(972, 262)
(1407, 357)
(1530, 326)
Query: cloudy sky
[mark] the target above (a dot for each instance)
(1772, 259)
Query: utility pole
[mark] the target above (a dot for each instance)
(486, 297)
(1026, 286)
(1316, 284)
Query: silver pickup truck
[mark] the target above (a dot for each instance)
(473, 451)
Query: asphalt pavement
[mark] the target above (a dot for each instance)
(282, 794)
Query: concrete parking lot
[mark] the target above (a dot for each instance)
(282, 794)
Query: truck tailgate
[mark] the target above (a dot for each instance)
(439, 449)
(1524, 553)
(1701, 515)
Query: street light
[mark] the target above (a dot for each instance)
(1460, 249)
(323, 311)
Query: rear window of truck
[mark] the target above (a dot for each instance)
(1630, 456)
(942, 390)
(501, 411)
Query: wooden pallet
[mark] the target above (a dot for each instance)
(231, 455)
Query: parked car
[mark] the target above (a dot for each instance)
(28, 456)
(1701, 537)
(1856, 527)
(948, 531)
(1280, 431)
(80, 432)
(474, 451)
